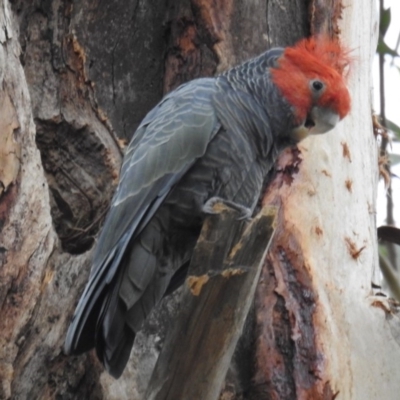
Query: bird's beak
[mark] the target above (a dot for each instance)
(321, 120)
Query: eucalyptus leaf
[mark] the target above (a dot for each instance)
(384, 23)
(383, 48)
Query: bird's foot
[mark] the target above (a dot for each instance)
(210, 207)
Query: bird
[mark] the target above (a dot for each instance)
(210, 139)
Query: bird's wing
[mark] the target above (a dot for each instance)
(167, 143)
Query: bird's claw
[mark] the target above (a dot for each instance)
(244, 212)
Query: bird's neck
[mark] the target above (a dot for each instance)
(253, 78)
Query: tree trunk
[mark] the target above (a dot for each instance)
(77, 78)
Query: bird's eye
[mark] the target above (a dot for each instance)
(317, 85)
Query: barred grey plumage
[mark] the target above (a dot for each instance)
(210, 137)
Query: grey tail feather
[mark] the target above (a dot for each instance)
(86, 338)
(114, 339)
(116, 364)
(100, 323)
(81, 335)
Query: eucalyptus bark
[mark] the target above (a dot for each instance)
(77, 78)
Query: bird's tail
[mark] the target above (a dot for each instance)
(99, 320)
(112, 310)
(101, 323)
(114, 338)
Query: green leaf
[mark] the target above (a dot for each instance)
(385, 21)
(383, 48)
(394, 128)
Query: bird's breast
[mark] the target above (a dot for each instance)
(230, 169)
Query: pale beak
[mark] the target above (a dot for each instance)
(321, 120)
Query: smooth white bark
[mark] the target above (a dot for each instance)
(337, 231)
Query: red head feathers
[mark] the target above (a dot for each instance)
(311, 59)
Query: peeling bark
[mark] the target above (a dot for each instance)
(325, 16)
(10, 149)
(316, 282)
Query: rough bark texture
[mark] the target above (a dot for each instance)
(77, 77)
(216, 298)
(53, 200)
